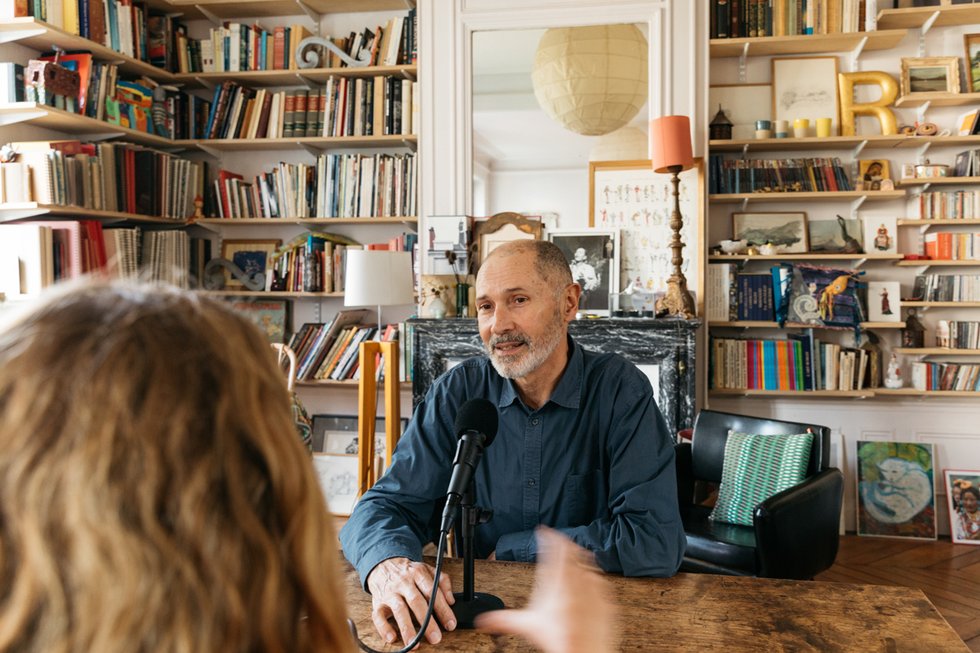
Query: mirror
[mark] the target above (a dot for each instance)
(523, 160)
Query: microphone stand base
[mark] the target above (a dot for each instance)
(467, 611)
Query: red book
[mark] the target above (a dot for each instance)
(130, 180)
(224, 176)
(263, 125)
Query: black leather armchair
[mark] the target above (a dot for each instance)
(794, 533)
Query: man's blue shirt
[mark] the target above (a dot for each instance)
(594, 462)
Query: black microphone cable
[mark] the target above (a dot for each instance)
(428, 613)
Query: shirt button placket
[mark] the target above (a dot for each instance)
(532, 473)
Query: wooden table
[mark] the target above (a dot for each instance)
(701, 612)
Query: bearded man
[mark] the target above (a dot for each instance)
(581, 447)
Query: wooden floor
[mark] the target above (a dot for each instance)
(949, 574)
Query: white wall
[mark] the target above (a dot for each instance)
(565, 192)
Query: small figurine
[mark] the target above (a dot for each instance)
(198, 207)
(882, 240)
(768, 249)
(893, 376)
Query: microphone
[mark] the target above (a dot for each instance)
(476, 424)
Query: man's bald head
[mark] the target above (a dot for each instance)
(549, 262)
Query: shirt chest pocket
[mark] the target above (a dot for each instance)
(585, 499)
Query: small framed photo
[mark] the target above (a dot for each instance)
(743, 104)
(871, 172)
(884, 303)
(252, 256)
(787, 231)
(502, 228)
(337, 475)
(930, 75)
(895, 492)
(971, 42)
(805, 87)
(338, 434)
(879, 234)
(593, 256)
(963, 501)
(837, 235)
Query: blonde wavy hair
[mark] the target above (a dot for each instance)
(154, 494)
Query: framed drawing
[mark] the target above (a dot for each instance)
(884, 301)
(337, 435)
(787, 231)
(895, 491)
(502, 228)
(593, 257)
(741, 103)
(337, 475)
(930, 75)
(837, 235)
(805, 87)
(971, 42)
(270, 315)
(880, 234)
(631, 197)
(251, 255)
(963, 501)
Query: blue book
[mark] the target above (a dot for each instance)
(770, 371)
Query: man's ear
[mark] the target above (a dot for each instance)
(569, 301)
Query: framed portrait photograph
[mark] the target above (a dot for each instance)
(836, 235)
(743, 104)
(805, 87)
(251, 255)
(787, 231)
(871, 172)
(930, 75)
(884, 301)
(971, 43)
(337, 475)
(593, 256)
(895, 491)
(963, 501)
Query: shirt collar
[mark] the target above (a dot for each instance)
(569, 388)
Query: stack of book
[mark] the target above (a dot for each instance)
(751, 18)
(946, 288)
(949, 205)
(947, 245)
(776, 175)
(945, 376)
(958, 334)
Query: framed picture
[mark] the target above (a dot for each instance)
(631, 197)
(743, 104)
(871, 172)
(337, 475)
(337, 434)
(502, 228)
(805, 87)
(930, 75)
(837, 235)
(251, 255)
(270, 315)
(785, 230)
(963, 501)
(895, 491)
(971, 43)
(593, 257)
(884, 301)
(880, 235)
(448, 244)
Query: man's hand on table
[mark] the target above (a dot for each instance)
(400, 588)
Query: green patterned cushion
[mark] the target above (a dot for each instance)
(757, 467)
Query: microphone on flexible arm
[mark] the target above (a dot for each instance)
(476, 424)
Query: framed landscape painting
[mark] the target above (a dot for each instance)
(930, 75)
(895, 491)
(787, 231)
(972, 44)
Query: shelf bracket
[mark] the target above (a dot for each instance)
(927, 25)
(921, 153)
(861, 261)
(20, 34)
(856, 54)
(308, 57)
(103, 136)
(856, 204)
(317, 310)
(741, 63)
(206, 83)
(745, 150)
(11, 215)
(409, 144)
(309, 83)
(310, 149)
(15, 117)
(210, 149)
(924, 188)
(745, 203)
(920, 112)
(210, 15)
(311, 13)
(857, 148)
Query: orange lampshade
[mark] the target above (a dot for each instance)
(670, 143)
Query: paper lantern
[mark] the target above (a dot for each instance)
(626, 144)
(592, 80)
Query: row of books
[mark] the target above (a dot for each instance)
(315, 264)
(945, 376)
(338, 185)
(948, 245)
(949, 205)
(957, 334)
(318, 345)
(751, 18)
(798, 362)
(104, 176)
(730, 175)
(946, 288)
(967, 164)
(37, 254)
(733, 295)
(371, 106)
(128, 27)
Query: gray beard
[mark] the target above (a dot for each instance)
(536, 354)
